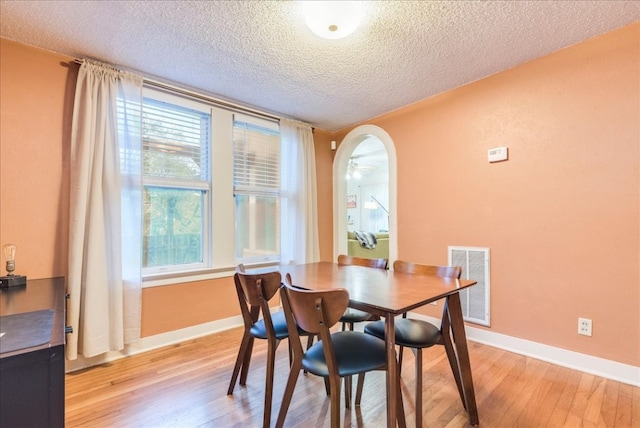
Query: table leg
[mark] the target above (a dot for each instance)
(392, 371)
(462, 352)
(451, 352)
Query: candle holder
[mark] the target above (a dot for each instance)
(11, 279)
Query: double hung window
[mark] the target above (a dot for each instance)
(176, 136)
(211, 186)
(256, 170)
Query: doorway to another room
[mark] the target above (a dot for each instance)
(364, 175)
(368, 187)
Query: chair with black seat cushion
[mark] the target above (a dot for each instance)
(254, 292)
(352, 316)
(417, 334)
(335, 355)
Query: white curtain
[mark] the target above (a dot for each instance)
(299, 218)
(104, 275)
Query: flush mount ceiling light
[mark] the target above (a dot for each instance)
(332, 19)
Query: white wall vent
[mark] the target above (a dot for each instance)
(475, 266)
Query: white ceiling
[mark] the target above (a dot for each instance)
(260, 53)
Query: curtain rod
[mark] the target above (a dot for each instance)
(222, 103)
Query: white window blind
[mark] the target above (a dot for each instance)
(176, 137)
(256, 159)
(175, 141)
(129, 124)
(256, 179)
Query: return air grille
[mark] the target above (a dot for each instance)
(475, 266)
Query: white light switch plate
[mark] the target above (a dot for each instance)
(498, 154)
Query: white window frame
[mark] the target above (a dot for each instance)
(253, 192)
(218, 205)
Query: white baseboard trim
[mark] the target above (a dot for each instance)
(157, 341)
(608, 369)
(585, 363)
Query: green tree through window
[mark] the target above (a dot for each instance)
(176, 183)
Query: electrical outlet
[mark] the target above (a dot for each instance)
(584, 326)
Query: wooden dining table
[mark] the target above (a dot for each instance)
(388, 294)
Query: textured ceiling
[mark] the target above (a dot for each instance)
(260, 53)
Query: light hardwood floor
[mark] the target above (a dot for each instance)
(185, 385)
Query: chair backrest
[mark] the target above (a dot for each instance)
(254, 292)
(313, 311)
(258, 287)
(418, 269)
(361, 261)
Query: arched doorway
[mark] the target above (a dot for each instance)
(340, 168)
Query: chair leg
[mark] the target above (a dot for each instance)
(309, 344)
(359, 388)
(418, 354)
(247, 361)
(400, 349)
(268, 389)
(296, 366)
(244, 345)
(455, 368)
(310, 341)
(347, 392)
(400, 406)
(334, 385)
(348, 382)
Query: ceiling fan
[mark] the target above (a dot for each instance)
(355, 170)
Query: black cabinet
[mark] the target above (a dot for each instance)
(32, 319)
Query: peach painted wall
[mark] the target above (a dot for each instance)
(36, 105)
(561, 216)
(36, 101)
(324, 172)
(563, 229)
(173, 307)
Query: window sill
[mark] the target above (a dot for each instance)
(173, 278)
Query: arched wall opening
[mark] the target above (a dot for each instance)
(340, 165)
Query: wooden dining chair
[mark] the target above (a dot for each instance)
(352, 316)
(254, 292)
(336, 355)
(418, 334)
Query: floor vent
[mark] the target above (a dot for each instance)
(475, 266)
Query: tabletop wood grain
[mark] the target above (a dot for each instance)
(375, 290)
